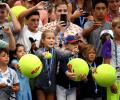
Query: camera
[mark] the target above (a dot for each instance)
(86, 14)
(1, 27)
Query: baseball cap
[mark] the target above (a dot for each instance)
(71, 39)
(110, 32)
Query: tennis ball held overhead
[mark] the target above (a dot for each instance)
(17, 10)
(78, 67)
(30, 65)
(105, 75)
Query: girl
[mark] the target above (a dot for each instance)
(89, 89)
(110, 53)
(45, 82)
(24, 92)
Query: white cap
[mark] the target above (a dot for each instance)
(110, 32)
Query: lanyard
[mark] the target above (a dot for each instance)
(61, 39)
(49, 64)
(96, 88)
(116, 56)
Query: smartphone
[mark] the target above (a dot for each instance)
(63, 17)
(86, 14)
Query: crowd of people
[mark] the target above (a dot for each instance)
(86, 29)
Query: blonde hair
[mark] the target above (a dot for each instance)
(115, 22)
(43, 37)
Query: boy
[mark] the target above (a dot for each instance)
(66, 87)
(9, 83)
(92, 29)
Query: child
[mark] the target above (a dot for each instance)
(45, 82)
(24, 92)
(9, 82)
(66, 87)
(110, 53)
(89, 89)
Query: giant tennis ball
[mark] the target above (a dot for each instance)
(30, 65)
(105, 75)
(78, 66)
(17, 10)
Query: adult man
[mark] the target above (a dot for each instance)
(64, 27)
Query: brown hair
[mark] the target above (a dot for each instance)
(87, 48)
(60, 3)
(4, 50)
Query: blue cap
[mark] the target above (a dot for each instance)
(70, 39)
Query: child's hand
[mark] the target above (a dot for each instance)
(70, 75)
(113, 89)
(7, 31)
(75, 51)
(15, 88)
(2, 85)
(83, 77)
(41, 5)
(93, 72)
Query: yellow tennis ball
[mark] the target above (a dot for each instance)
(78, 66)
(17, 10)
(105, 75)
(48, 55)
(30, 65)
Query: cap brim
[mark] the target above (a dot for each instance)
(73, 41)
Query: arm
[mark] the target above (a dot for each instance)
(12, 43)
(16, 24)
(91, 26)
(21, 17)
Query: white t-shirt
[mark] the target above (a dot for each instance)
(25, 34)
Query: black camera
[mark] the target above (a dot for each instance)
(1, 27)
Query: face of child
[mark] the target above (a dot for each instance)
(33, 23)
(100, 11)
(90, 55)
(116, 29)
(49, 40)
(20, 52)
(72, 47)
(3, 15)
(4, 58)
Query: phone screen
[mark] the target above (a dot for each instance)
(63, 18)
